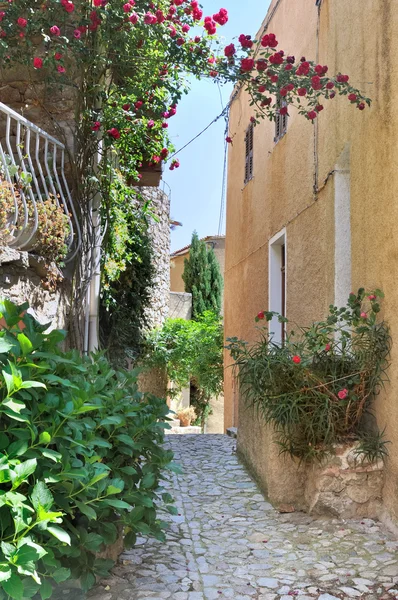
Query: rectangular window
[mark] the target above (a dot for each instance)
(280, 124)
(277, 284)
(249, 152)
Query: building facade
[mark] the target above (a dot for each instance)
(312, 209)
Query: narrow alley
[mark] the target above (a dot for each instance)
(228, 542)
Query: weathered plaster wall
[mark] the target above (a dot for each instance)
(180, 305)
(359, 39)
(176, 271)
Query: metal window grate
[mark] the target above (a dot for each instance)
(249, 152)
(280, 124)
(29, 154)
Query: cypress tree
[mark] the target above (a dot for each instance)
(202, 278)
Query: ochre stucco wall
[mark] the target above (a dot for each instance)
(176, 271)
(360, 39)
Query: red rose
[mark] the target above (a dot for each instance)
(342, 78)
(262, 88)
(283, 92)
(283, 110)
(311, 115)
(261, 65)
(96, 126)
(37, 63)
(228, 140)
(288, 67)
(247, 64)
(352, 97)
(316, 82)
(252, 120)
(319, 108)
(302, 91)
(114, 133)
(22, 22)
(289, 87)
(229, 50)
(330, 85)
(274, 78)
(55, 30)
(261, 315)
(296, 359)
(138, 104)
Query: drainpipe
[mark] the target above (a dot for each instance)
(93, 292)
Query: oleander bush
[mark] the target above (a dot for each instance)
(81, 460)
(316, 388)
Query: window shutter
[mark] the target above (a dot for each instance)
(249, 152)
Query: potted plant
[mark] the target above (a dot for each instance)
(186, 416)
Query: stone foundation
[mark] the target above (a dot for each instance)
(345, 487)
(21, 280)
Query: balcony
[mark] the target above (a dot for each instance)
(34, 192)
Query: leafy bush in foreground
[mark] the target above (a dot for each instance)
(80, 460)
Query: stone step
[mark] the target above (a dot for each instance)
(184, 430)
(174, 423)
(232, 432)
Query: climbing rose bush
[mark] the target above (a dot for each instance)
(316, 387)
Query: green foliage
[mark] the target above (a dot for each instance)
(315, 389)
(191, 352)
(81, 460)
(202, 278)
(127, 273)
(372, 447)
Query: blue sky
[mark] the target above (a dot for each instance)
(196, 186)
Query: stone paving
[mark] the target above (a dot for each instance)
(229, 543)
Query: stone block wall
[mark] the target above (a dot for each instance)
(343, 486)
(21, 280)
(159, 231)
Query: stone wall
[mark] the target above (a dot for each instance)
(22, 279)
(159, 231)
(343, 486)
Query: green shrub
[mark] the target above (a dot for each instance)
(316, 388)
(192, 353)
(81, 459)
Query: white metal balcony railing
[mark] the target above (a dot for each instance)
(32, 162)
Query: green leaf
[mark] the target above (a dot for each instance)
(93, 542)
(25, 554)
(25, 343)
(129, 470)
(86, 408)
(9, 380)
(126, 440)
(60, 534)
(5, 345)
(13, 587)
(148, 481)
(22, 471)
(32, 384)
(98, 477)
(46, 589)
(61, 574)
(42, 497)
(86, 510)
(17, 448)
(51, 454)
(115, 503)
(87, 581)
(13, 404)
(5, 572)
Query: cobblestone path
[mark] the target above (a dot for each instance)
(228, 542)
